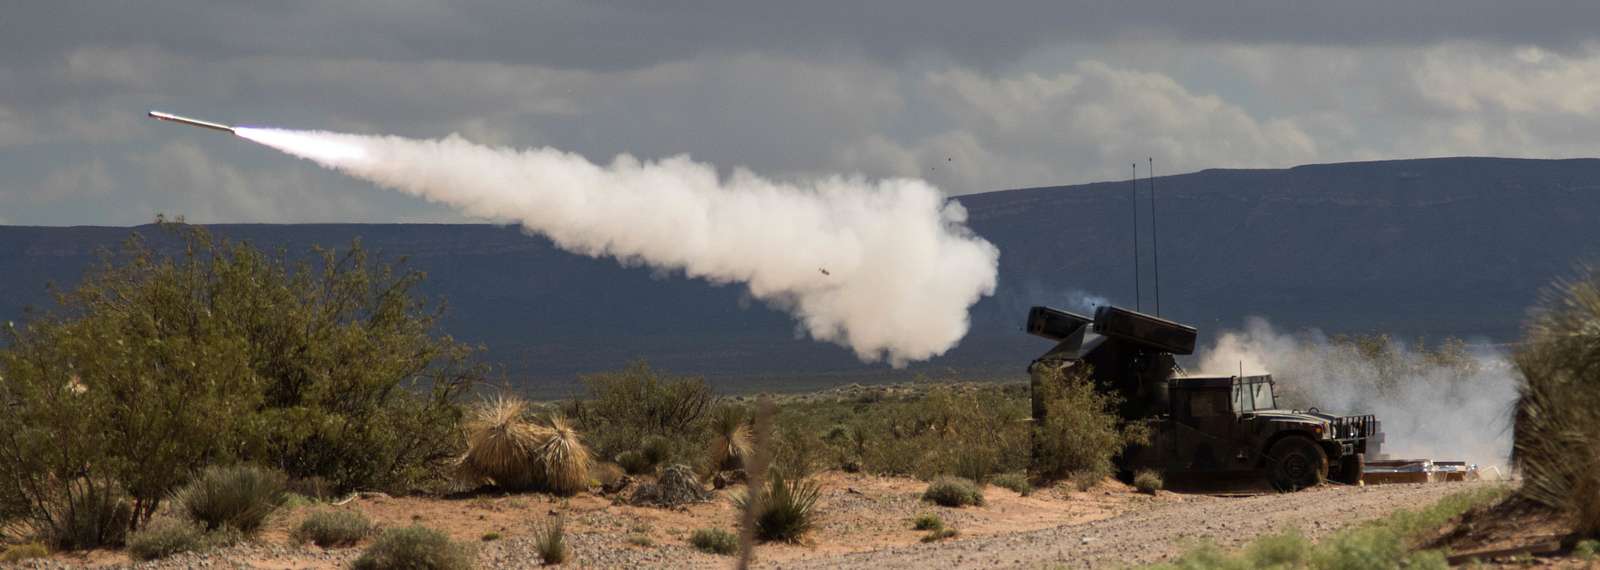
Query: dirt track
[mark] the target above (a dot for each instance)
(1152, 534)
(865, 524)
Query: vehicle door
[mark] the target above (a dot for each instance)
(1204, 428)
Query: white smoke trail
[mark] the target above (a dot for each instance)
(1450, 409)
(887, 268)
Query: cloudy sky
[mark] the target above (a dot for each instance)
(973, 96)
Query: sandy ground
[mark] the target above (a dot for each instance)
(865, 523)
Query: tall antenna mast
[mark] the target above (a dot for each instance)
(1137, 289)
(1155, 245)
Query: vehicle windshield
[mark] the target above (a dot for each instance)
(1249, 396)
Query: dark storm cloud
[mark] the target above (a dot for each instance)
(619, 34)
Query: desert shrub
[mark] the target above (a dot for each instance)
(240, 497)
(732, 438)
(799, 451)
(414, 548)
(927, 521)
(1558, 412)
(333, 528)
(550, 541)
(623, 408)
(1081, 432)
(656, 450)
(641, 539)
(973, 430)
(165, 537)
(714, 541)
(634, 462)
(490, 536)
(1085, 480)
(20, 552)
(1147, 481)
(785, 508)
(941, 533)
(953, 492)
(87, 514)
(607, 473)
(159, 364)
(1015, 481)
(1587, 549)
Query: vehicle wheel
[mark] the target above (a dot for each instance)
(1295, 463)
(1351, 468)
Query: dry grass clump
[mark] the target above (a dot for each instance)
(20, 552)
(1016, 481)
(505, 448)
(563, 458)
(550, 540)
(1558, 412)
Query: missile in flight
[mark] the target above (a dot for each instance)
(191, 122)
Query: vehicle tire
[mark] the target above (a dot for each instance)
(1295, 463)
(1351, 467)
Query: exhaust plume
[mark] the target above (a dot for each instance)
(886, 268)
(1451, 402)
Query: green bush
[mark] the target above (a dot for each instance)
(490, 536)
(221, 353)
(240, 497)
(414, 548)
(785, 508)
(1147, 481)
(953, 492)
(1587, 549)
(20, 552)
(714, 541)
(329, 529)
(165, 537)
(927, 521)
(1081, 432)
(550, 540)
(1556, 423)
(624, 408)
(1015, 481)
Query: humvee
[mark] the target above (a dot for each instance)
(1200, 425)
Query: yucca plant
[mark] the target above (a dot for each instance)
(785, 508)
(239, 497)
(502, 445)
(551, 541)
(1558, 412)
(563, 459)
(733, 439)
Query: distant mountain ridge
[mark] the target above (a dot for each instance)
(1450, 246)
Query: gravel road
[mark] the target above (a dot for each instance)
(1154, 534)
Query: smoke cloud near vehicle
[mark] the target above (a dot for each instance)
(1448, 402)
(887, 268)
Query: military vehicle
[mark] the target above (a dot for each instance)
(1200, 425)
